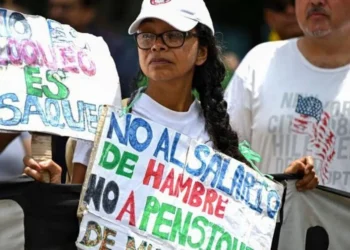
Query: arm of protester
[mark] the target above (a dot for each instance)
(27, 142)
(304, 166)
(79, 171)
(35, 169)
(238, 96)
(6, 139)
(81, 156)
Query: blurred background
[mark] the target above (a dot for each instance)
(240, 25)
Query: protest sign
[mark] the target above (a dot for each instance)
(314, 220)
(53, 79)
(151, 187)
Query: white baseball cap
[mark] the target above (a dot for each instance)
(184, 15)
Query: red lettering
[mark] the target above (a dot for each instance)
(157, 173)
(210, 198)
(4, 61)
(33, 53)
(220, 207)
(89, 70)
(29, 52)
(181, 186)
(13, 52)
(68, 57)
(129, 208)
(168, 183)
(197, 191)
(50, 64)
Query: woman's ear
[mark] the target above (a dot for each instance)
(202, 55)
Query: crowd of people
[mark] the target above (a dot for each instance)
(288, 97)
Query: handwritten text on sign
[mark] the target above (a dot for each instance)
(53, 79)
(152, 185)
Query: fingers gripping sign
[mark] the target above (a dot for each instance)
(40, 166)
(43, 169)
(304, 166)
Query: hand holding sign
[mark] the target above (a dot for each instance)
(150, 186)
(44, 171)
(305, 167)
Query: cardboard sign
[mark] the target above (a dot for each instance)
(150, 187)
(53, 79)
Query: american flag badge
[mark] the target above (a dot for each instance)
(309, 106)
(314, 122)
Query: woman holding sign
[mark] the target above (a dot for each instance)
(177, 53)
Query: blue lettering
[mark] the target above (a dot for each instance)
(135, 125)
(15, 120)
(52, 117)
(57, 33)
(249, 182)
(164, 139)
(91, 118)
(257, 204)
(220, 184)
(25, 32)
(67, 113)
(32, 101)
(173, 151)
(237, 181)
(3, 26)
(214, 166)
(197, 152)
(271, 212)
(114, 127)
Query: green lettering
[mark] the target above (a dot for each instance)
(235, 244)
(215, 229)
(177, 229)
(196, 225)
(125, 169)
(31, 79)
(242, 246)
(151, 207)
(249, 248)
(109, 148)
(226, 237)
(56, 78)
(160, 221)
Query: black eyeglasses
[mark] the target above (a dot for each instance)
(172, 39)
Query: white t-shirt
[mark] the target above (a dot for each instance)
(190, 123)
(288, 108)
(11, 159)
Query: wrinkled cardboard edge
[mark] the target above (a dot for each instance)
(82, 208)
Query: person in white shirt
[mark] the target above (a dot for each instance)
(292, 98)
(177, 53)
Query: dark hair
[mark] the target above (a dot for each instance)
(278, 5)
(207, 82)
(89, 3)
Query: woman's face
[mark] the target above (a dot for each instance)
(161, 62)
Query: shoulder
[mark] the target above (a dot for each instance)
(259, 58)
(268, 47)
(264, 51)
